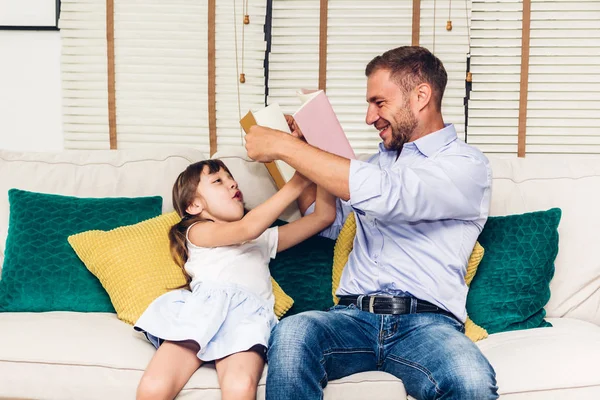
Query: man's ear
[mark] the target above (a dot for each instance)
(423, 95)
(196, 207)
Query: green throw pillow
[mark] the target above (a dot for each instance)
(304, 273)
(41, 271)
(512, 284)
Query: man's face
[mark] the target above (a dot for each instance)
(389, 110)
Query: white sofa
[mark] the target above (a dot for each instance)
(67, 355)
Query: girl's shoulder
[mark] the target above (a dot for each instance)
(196, 226)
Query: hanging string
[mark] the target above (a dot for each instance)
(468, 25)
(449, 23)
(237, 70)
(469, 77)
(434, 22)
(246, 22)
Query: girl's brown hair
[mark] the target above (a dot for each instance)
(184, 193)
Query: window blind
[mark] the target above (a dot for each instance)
(84, 74)
(161, 68)
(294, 55)
(563, 113)
(357, 32)
(250, 49)
(495, 65)
(452, 48)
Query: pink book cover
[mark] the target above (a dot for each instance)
(320, 125)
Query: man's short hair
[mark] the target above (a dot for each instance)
(410, 66)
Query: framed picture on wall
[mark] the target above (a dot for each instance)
(29, 14)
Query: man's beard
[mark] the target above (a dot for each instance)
(403, 129)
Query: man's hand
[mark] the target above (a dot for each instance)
(262, 143)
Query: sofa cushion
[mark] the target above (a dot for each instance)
(561, 362)
(512, 284)
(135, 266)
(304, 272)
(41, 271)
(132, 262)
(573, 184)
(66, 355)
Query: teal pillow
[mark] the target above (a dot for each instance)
(41, 272)
(304, 273)
(512, 284)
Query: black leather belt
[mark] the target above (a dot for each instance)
(379, 304)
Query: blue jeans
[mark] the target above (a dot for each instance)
(429, 352)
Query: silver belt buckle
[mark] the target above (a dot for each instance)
(371, 302)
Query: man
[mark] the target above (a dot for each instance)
(420, 205)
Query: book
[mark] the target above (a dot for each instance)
(317, 121)
(271, 117)
(319, 124)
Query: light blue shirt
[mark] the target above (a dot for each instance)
(418, 218)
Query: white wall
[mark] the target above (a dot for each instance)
(30, 91)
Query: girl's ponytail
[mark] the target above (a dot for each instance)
(178, 245)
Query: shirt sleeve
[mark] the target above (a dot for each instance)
(342, 209)
(271, 237)
(453, 186)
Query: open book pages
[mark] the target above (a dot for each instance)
(272, 117)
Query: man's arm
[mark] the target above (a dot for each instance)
(449, 187)
(323, 168)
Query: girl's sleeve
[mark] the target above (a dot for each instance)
(271, 237)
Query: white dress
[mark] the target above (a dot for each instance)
(230, 306)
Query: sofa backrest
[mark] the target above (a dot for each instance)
(520, 185)
(121, 173)
(92, 173)
(572, 184)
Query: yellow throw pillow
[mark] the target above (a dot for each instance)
(134, 265)
(343, 247)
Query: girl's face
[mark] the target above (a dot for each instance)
(218, 197)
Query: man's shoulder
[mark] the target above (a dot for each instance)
(460, 148)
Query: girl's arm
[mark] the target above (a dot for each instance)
(253, 224)
(300, 230)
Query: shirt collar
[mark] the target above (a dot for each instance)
(431, 143)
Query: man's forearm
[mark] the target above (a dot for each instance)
(325, 169)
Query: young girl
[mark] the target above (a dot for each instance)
(228, 314)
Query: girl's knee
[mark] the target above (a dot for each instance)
(238, 387)
(152, 388)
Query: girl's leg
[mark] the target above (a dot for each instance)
(239, 374)
(169, 370)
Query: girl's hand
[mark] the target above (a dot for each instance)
(300, 180)
(294, 128)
